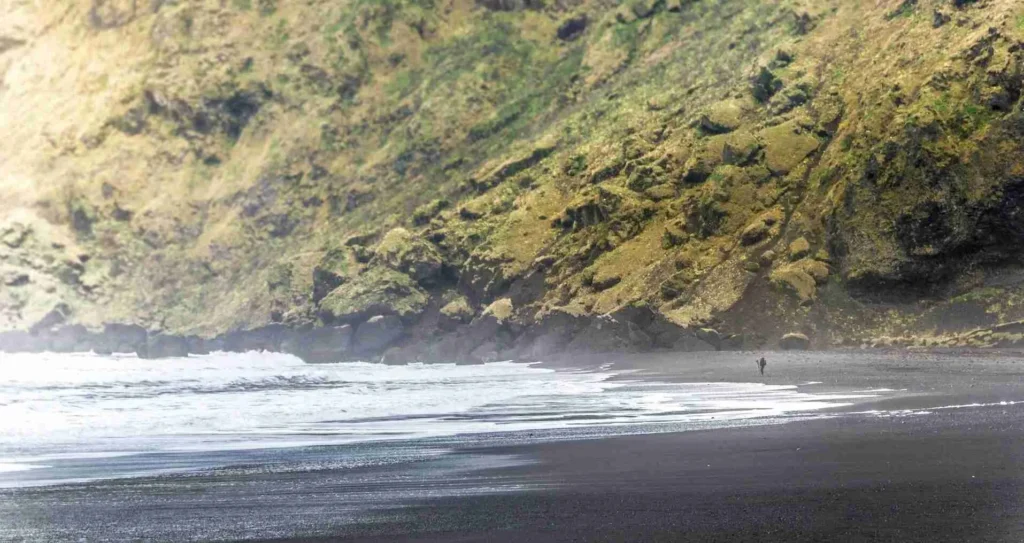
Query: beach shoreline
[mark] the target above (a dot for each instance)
(936, 457)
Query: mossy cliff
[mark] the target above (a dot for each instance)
(458, 179)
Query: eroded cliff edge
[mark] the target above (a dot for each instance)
(468, 180)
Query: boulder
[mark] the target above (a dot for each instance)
(786, 146)
(732, 342)
(722, 117)
(455, 312)
(376, 291)
(501, 310)
(799, 248)
(328, 344)
(764, 226)
(816, 269)
(699, 167)
(740, 149)
(604, 281)
(709, 336)
(790, 99)
(377, 333)
(403, 251)
(795, 341)
(795, 281)
(665, 191)
(754, 232)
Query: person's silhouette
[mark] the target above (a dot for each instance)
(761, 364)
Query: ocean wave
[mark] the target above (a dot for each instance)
(226, 402)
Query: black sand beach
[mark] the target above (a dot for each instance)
(922, 465)
(939, 475)
(953, 477)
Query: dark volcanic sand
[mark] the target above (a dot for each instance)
(948, 475)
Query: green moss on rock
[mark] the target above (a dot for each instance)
(376, 291)
(403, 251)
(786, 146)
(796, 282)
(722, 117)
(458, 310)
(799, 248)
(500, 309)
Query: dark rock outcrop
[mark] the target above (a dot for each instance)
(606, 334)
(378, 332)
(123, 338)
(764, 85)
(572, 28)
(376, 291)
(164, 346)
(267, 338)
(197, 345)
(319, 345)
(405, 252)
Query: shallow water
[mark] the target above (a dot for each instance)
(70, 418)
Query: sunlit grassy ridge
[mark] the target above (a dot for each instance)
(758, 167)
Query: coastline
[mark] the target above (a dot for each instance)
(892, 468)
(955, 477)
(558, 339)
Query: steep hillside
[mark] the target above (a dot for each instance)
(512, 177)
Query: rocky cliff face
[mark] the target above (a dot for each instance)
(450, 179)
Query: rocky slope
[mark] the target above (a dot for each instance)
(450, 179)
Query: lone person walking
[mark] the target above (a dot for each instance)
(761, 364)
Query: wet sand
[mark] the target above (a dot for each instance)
(944, 475)
(953, 477)
(948, 474)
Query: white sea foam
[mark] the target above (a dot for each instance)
(56, 408)
(8, 467)
(932, 410)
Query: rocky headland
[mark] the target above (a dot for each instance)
(449, 180)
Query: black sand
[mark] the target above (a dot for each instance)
(952, 477)
(949, 475)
